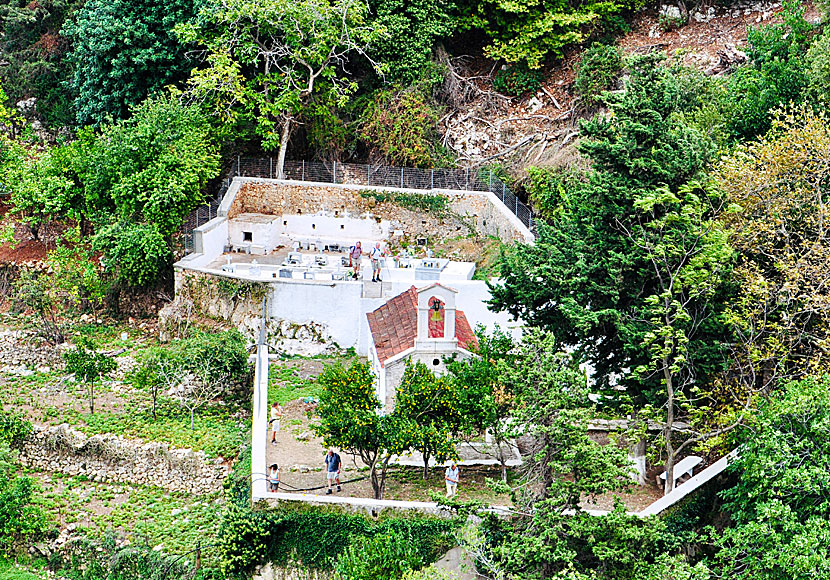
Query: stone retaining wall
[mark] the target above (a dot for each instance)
(22, 349)
(467, 209)
(112, 458)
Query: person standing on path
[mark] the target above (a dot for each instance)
(333, 465)
(276, 419)
(355, 254)
(451, 477)
(375, 256)
(274, 478)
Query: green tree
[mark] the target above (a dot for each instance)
(412, 30)
(485, 397)
(779, 505)
(530, 30)
(141, 177)
(690, 260)
(431, 404)
(564, 467)
(598, 70)
(584, 276)
(88, 365)
(777, 189)
(350, 417)
(268, 60)
(123, 51)
(777, 73)
(42, 189)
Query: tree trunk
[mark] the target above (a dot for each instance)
(286, 130)
(91, 392)
(383, 475)
(668, 428)
(191, 419)
(426, 464)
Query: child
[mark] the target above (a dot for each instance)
(274, 478)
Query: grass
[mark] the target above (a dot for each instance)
(176, 522)
(407, 483)
(13, 571)
(172, 522)
(215, 432)
(285, 384)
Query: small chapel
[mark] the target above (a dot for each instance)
(419, 325)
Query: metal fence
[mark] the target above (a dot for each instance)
(482, 179)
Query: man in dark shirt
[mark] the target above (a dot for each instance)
(333, 466)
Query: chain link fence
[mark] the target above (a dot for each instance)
(482, 179)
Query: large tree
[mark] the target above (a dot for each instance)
(778, 188)
(485, 398)
(141, 177)
(690, 260)
(350, 418)
(585, 279)
(124, 50)
(270, 59)
(779, 506)
(431, 404)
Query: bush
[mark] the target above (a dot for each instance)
(21, 519)
(223, 353)
(316, 537)
(14, 429)
(382, 557)
(517, 79)
(402, 126)
(597, 72)
(90, 559)
(134, 253)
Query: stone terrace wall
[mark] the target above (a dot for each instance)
(466, 209)
(112, 458)
(21, 350)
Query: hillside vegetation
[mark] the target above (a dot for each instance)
(675, 158)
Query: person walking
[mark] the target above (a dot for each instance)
(276, 419)
(333, 466)
(355, 254)
(451, 477)
(375, 256)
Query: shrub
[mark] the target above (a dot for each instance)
(13, 429)
(317, 538)
(402, 126)
(223, 354)
(517, 79)
(382, 557)
(597, 72)
(21, 520)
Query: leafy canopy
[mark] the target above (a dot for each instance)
(123, 52)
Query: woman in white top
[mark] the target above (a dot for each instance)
(274, 478)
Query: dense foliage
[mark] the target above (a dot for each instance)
(123, 51)
(318, 538)
(677, 284)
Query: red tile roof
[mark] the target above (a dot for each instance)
(394, 326)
